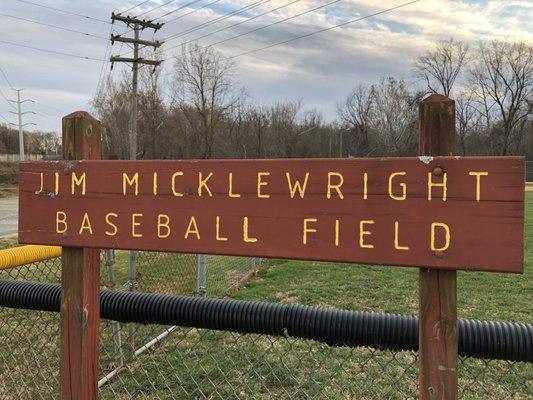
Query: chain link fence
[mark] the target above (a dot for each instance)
(529, 171)
(157, 362)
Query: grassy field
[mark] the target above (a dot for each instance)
(225, 365)
(195, 363)
(481, 295)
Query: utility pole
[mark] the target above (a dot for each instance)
(19, 112)
(136, 25)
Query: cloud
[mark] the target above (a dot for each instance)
(319, 69)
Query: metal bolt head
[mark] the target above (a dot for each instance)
(439, 253)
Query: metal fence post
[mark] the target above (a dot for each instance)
(201, 278)
(132, 287)
(111, 283)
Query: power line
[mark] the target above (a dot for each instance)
(179, 8)
(275, 23)
(192, 11)
(236, 24)
(264, 26)
(5, 119)
(48, 106)
(63, 11)
(214, 20)
(104, 64)
(135, 6)
(5, 77)
(53, 26)
(148, 11)
(51, 51)
(7, 100)
(155, 8)
(325, 29)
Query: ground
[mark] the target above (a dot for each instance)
(217, 364)
(9, 174)
(8, 215)
(481, 295)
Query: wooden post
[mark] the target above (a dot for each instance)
(437, 324)
(80, 281)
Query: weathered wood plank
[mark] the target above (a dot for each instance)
(80, 281)
(485, 234)
(437, 326)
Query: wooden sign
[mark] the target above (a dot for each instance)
(443, 212)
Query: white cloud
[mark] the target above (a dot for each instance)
(319, 69)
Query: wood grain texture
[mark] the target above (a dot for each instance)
(485, 235)
(80, 281)
(437, 326)
(80, 313)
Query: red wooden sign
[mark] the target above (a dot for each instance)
(443, 212)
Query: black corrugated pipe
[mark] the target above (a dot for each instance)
(481, 339)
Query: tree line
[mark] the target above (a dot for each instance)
(37, 142)
(200, 111)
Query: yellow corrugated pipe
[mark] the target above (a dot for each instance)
(16, 256)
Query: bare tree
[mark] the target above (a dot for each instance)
(355, 114)
(112, 107)
(204, 92)
(502, 80)
(468, 120)
(259, 122)
(394, 117)
(440, 68)
(152, 117)
(284, 125)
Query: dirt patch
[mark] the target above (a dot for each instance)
(9, 173)
(9, 178)
(7, 242)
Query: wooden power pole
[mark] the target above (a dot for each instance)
(136, 25)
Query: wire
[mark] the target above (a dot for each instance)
(104, 63)
(63, 11)
(190, 12)
(135, 6)
(237, 24)
(7, 100)
(4, 118)
(264, 26)
(324, 29)
(53, 26)
(51, 51)
(177, 9)
(155, 8)
(214, 20)
(275, 23)
(5, 77)
(49, 106)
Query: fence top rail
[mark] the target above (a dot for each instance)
(22, 255)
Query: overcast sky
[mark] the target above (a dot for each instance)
(319, 69)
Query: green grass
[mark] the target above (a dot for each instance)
(200, 363)
(195, 363)
(481, 295)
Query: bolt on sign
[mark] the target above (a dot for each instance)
(442, 212)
